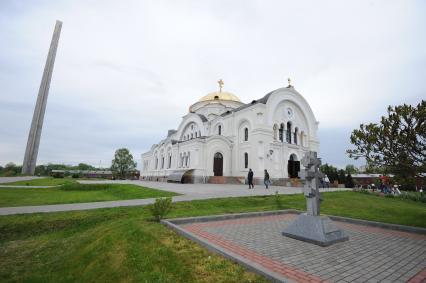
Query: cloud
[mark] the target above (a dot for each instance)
(127, 71)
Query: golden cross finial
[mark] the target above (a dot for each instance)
(289, 82)
(221, 83)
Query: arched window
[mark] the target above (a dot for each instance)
(170, 160)
(245, 160)
(219, 130)
(245, 134)
(275, 130)
(195, 134)
(289, 132)
(296, 130)
(192, 136)
(162, 162)
(281, 132)
(156, 163)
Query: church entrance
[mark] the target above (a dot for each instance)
(293, 167)
(218, 164)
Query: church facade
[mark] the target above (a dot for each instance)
(220, 138)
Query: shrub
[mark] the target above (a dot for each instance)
(278, 201)
(161, 208)
(75, 175)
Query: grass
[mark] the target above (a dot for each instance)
(125, 245)
(42, 182)
(75, 193)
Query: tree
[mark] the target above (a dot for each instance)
(349, 181)
(351, 169)
(397, 143)
(330, 171)
(84, 166)
(341, 176)
(122, 162)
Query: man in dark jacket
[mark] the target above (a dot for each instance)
(266, 180)
(250, 179)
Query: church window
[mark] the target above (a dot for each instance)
(170, 161)
(192, 127)
(219, 128)
(162, 162)
(245, 134)
(192, 136)
(275, 129)
(296, 130)
(282, 132)
(288, 132)
(245, 160)
(195, 134)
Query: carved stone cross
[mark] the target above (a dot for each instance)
(311, 175)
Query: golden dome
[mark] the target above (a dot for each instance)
(220, 95)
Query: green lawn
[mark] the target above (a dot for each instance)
(75, 192)
(42, 182)
(125, 245)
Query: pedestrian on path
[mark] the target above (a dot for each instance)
(266, 180)
(250, 179)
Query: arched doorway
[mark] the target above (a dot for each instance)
(293, 167)
(218, 164)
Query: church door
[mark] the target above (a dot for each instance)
(218, 164)
(293, 167)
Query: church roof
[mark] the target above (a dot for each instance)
(263, 100)
(220, 95)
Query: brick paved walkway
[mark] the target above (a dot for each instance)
(371, 255)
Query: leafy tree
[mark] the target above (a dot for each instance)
(122, 162)
(351, 169)
(341, 176)
(330, 171)
(397, 143)
(349, 183)
(84, 166)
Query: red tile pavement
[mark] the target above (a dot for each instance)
(285, 270)
(419, 277)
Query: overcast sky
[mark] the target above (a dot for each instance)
(127, 71)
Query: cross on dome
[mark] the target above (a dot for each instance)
(221, 83)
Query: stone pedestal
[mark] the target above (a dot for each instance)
(319, 230)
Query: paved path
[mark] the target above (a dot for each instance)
(16, 179)
(372, 254)
(25, 187)
(188, 192)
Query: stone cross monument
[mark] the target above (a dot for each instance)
(33, 142)
(311, 227)
(311, 175)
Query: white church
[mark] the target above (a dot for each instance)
(220, 138)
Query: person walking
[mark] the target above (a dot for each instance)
(250, 179)
(266, 180)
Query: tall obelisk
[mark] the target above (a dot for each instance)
(33, 142)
